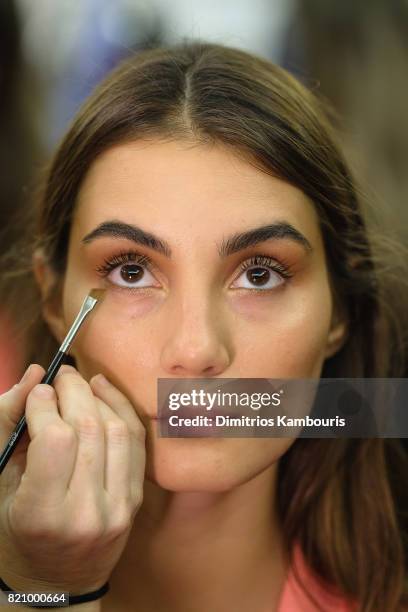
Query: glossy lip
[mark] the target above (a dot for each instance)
(210, 386)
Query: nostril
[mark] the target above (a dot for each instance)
(209, 370)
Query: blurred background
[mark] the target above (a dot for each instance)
(53, 52)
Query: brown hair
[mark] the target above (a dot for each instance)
(337, 497)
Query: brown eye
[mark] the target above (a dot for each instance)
(262, 272)
(258, 276)
(261, 277)
(132, 276)
(131, 273)
(129, 270)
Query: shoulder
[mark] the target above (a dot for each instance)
(295, 598)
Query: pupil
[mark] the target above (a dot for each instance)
(130, 274)
(258, 276)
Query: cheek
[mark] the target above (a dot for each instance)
(118, 339)
(284, 336)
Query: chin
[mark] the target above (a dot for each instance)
(196, 464)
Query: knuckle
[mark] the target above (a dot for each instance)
(35, 531)
(87, 529)
(124, 510)
(87, 425)
(71, 378)
(117, 431)
(120, 522)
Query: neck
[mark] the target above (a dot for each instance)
(204, 550)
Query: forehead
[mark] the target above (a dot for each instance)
(187, 186)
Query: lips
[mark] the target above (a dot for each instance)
(179, 386)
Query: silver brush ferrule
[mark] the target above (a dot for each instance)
(86, 308)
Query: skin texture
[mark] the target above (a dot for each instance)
(197, 317)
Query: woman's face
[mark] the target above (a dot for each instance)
(193, 311)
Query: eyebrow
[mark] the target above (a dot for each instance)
(279, 230)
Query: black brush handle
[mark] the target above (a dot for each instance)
(22, 425)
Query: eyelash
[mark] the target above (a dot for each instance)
(144, 260)
(122, 258)
(268, 262)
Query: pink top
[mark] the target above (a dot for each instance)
(294, 599)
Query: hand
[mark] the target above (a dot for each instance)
(72, 487)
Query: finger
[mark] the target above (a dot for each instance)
(118, 453)
(12, 403)
(119, 403)
(12, 408)
(77, 407)
(51, 458)
(42, 409)
(51, 452)
(121, 448)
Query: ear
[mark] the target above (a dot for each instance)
(51, 298)
(337, 335)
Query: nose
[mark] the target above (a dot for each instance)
(198, 344)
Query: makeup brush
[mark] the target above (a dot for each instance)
(88, 304)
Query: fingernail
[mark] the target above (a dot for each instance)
(100, 379)
(44, 391)
(26, 375)
(66, 368)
